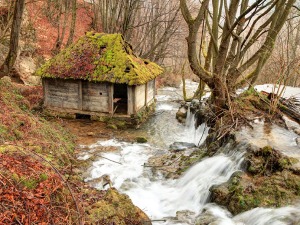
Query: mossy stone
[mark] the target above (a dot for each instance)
(141, 140)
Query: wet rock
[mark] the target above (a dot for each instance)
(141, 140)
(185, 216)
(269, 181)
(172, 164)
(181, 114)
(206, 218)
(297, 131)
(116, 208)
(266, 161)
(181, 146)
(291, 124)
(298, 141)
(26, 67)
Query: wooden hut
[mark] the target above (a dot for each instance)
(97, 75)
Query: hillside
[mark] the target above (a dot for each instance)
(39, 180)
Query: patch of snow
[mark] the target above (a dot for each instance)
(287, 91)
(84, 157)
(291, 124)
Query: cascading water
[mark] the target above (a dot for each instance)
(161, 198)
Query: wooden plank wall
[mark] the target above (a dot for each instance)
(95, 97)
(150, 91)
(61, 93)
(131, 99)
(139, 96)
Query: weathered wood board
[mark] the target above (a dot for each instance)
(95, 97)
(130, 94)
(62, 93)
(150, 91)
(139, 96)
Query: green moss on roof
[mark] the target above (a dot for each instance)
(100, 57)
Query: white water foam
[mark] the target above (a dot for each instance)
(158, 197)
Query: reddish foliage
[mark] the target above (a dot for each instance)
(33, 94)
(38, 202)
(79, 64)
(3, 12)
(47, 32)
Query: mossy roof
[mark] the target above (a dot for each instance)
(100, 57)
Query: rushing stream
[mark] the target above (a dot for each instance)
(161, 198)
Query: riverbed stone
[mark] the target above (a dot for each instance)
(181, 114)
(297, 131)
(171, 164)
(206, 218)
(141, 140)
(181, 146)
(298, 141)
(185, 216)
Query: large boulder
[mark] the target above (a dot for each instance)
(117, 209)
(181, 114)
(269, 181)
(26, 67)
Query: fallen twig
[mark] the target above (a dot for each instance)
(109, 159)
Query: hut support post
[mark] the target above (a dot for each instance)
(80, 95)
(146, 94)
(110, 98)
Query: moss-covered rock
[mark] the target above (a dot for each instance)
(141, 140)
(266, 161)
(143, 114)
(100, 57)
(267, 182)
(116, 209)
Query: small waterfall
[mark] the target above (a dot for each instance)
(191, 133)
(158, 197)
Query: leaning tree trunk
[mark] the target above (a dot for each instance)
(14, 39)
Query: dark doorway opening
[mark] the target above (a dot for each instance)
(83, 116)
(120, 100)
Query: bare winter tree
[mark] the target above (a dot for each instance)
(6, 17)
(59, 13)
(283, 65)
(234, 28)
(148, 25)
(14, 38)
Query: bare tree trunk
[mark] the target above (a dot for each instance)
(73, 22)
(14, 39)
